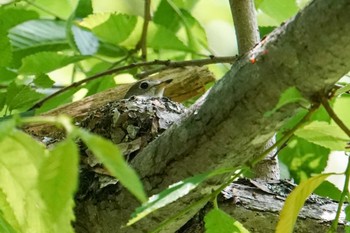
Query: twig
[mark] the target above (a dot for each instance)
(167, 63)
(147, 73)
(344, 193)
(142, 44)
(43, 9)
(246, 26)
(334, 116)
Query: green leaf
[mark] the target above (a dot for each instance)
(329, 190)
(264, 31)
(36, 36)
(342, 90)
(43, 80)
(85, 41)
(7, 127)
(7, 76)
(168, 15)
(58, 180)
(295, 202)
(196, 34)
(5, 227)
(21, 96)
(61, 9)
(324, 134)
(162, 38)
(279, 10)
(5, 51)
(113, 160)
(347, 212)
(340, 107)
(303, 158)
(2, 100)
(171, 194)
(33, 64)
(289, 96)
(83, 9)
(58, 100)
(9, 17)
(217, 221)
(110, 27)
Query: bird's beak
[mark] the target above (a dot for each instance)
(163, 83)
(160, 86)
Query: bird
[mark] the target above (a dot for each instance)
(148, 88)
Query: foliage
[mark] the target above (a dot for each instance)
(80, 38)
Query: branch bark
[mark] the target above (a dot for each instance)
(246, 26)
(310, 52)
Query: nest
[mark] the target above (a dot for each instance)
(130, 124)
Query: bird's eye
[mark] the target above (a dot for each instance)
(144, 85)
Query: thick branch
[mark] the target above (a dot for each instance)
(311, 53)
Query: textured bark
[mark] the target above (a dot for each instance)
(310, 52)
(258, 210)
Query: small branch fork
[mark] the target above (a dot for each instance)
(168, 64)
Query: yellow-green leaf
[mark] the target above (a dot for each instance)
(295, 202)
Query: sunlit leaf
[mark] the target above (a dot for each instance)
(295, 202)
(7, 127)
(342, 90)
(58, 180)
(324, 134)
(8, 221)
(113, 160)
(61, 9)
(20, 160)
(162, 38)
(217, 221)
(33, 64)
(279, 10)
(110, 27)
(303, 158)
(340, 107)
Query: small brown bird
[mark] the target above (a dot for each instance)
(150, 88)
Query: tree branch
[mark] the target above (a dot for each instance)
(246, 26)
(142, 44)
(166, 63)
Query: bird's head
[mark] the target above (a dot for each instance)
(150, 88)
